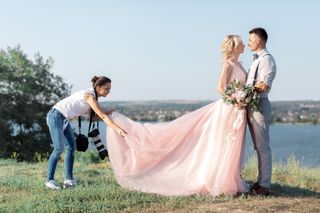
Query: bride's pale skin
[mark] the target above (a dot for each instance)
(257, 44)
(103, 91)
(227, 69)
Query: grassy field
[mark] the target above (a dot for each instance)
(294, 189)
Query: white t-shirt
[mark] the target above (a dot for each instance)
(74, 105)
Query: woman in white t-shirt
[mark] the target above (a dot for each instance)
(60, 129)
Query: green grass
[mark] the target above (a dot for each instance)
(295, 189)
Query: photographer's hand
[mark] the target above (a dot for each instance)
(113, 125)
(121, 132)
(108, 112)
(96, 108)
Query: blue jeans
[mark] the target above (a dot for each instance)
(60, 138)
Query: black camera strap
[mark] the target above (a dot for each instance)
(91, 116)
(79, 124)
(92, 113)
(94, 124)
(94, 134)
(90, 122)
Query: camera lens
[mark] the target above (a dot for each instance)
(94, 133)
(103, 152)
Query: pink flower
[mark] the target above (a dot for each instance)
(240, 95)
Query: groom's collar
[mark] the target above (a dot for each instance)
(262, 52)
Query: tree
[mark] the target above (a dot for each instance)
(27, 92)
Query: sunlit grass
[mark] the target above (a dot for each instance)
(295, 189)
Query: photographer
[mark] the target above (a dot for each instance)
(61, 132)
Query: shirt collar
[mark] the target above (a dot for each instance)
(261, 52)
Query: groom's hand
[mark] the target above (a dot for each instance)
(261, 87)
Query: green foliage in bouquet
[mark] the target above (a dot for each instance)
(238, 93)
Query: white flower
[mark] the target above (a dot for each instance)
(238, 93)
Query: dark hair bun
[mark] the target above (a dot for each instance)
(94, 79)
(99, 81)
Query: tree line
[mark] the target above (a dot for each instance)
(28, 89)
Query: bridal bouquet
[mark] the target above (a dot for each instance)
(240, 94)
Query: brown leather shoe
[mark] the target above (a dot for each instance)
(255, 186)
(262, 191)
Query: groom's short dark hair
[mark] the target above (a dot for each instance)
(262, 33)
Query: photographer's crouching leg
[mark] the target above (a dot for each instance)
(70, 144)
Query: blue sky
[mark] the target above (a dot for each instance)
(165, 49)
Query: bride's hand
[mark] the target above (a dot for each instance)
(240, 106)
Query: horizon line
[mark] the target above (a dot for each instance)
(202, 100)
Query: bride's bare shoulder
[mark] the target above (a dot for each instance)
(227, 65)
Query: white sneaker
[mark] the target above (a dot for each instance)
(51, 184)
(69, 183)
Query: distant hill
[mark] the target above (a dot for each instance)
(166, 110)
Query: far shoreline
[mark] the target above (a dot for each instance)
(295, 123)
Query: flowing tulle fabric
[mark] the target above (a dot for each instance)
(200, 152)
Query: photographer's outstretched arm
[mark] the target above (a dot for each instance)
(96, 108)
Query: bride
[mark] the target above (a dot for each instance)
(200, 152)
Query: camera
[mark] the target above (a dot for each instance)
(103, 152)
(81, 142)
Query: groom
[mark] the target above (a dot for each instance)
(261, 74)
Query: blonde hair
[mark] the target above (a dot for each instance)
(230, 42)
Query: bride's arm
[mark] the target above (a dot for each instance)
(96, 108)
(224, 77)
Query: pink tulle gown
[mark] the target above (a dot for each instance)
(200, 152)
